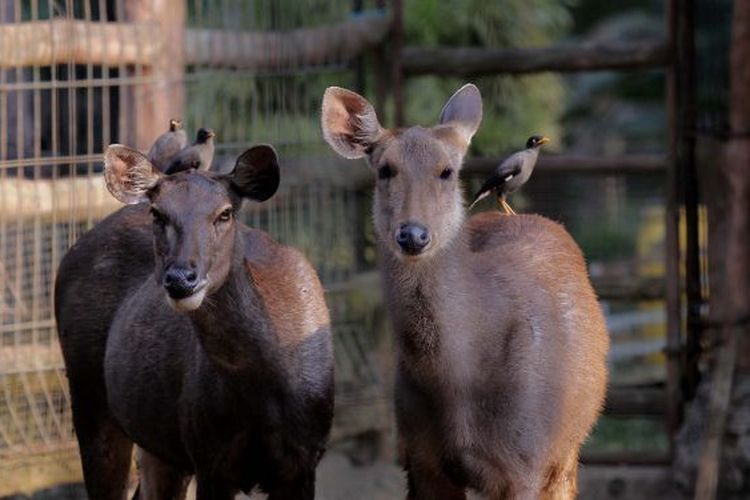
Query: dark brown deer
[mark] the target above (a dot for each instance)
(501, 344)
(203, 341)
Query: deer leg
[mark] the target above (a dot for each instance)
(105, 455)
(515, 489)
(158, 480)
(427, 484)
(570, 489)
(210, 489)
(106, 452)
(563, 480)
(301, 487)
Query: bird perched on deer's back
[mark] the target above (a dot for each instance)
(198, 155)
(167, 145)
(511, 174)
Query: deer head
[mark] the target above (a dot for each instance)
(418, 207)
(194, 215)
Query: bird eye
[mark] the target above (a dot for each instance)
(225, 216)
(385, 172)
(446, 173)
(159, 218)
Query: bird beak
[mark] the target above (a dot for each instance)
(212, 134)
(543, 140)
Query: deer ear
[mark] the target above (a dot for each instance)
(463, 111)
(256, 173)
(128, 174)
(350, 125)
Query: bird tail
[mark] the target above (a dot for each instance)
(479, 197)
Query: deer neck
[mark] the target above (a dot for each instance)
(233, 325)
(413, 290)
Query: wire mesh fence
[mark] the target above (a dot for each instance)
(77, 75)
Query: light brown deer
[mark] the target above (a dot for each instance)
(501, 344)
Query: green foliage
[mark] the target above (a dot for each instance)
(602, 241)
(518, 23)
(244, 107)
(622, 434)
(589, 13)
(515, 107)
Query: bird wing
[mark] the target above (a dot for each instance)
(504, 172)
(165, 148)
(187, 159)
(511, 166)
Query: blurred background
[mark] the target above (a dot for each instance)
(643, 105)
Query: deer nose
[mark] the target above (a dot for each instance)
(413, 238)
(180, 281)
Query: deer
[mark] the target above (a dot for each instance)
(201, 340)
(500, 343)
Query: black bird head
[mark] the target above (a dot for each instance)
(204, 134)
(175, 124)
(536, 140)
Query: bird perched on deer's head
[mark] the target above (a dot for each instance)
(198, 155)
(511, 174)
(167, 145)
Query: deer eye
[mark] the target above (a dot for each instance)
(225, 215)
(386, 172)
(446, 173)
(159, 218)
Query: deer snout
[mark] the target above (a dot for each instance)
(413, 238)
(180, 281)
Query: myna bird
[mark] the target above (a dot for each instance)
(167, 145)
(198, 155)
(511, 174)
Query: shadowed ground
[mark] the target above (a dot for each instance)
(338, 479)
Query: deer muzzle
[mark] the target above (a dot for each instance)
(413, 238)
(185, 290)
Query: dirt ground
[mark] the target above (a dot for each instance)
(339, 479)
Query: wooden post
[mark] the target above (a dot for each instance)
(737, 172)
(720, 396)
(359, 62)
(380, 73)
(156, 102)
(672, 243)
(685, 57)
(397, 40)
(577, 163)
(468, 62)
(19, 102)
(730, 284)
